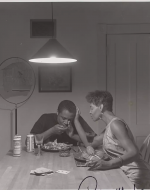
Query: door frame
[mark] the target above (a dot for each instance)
(113, 29)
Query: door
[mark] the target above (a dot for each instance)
(128, 79)
(127, 75)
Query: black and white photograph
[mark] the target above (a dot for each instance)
(55, 79)
(74, 94)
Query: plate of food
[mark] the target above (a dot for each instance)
(85, 157)
(79, 157)
(55, 147)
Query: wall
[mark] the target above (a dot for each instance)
(77, 31)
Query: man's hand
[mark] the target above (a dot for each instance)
(58, 129)
(66, 123)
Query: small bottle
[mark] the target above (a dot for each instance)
(17, 145)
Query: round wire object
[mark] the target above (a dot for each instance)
(17, 80)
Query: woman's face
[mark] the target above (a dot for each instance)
(95, 112)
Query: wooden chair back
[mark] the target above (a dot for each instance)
(145, 149)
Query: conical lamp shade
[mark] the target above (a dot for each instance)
(52, 52)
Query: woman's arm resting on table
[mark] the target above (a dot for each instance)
(120, 132)
(82, 135)
(98, 140)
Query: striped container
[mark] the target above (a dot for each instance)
(17, 145)
(30, 143)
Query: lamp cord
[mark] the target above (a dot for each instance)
(52, 11)
(52, 21)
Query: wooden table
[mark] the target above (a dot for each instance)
(15, 174)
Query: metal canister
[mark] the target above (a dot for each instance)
(30, 143)
(17, 145)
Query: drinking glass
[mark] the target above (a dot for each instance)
(64, 152)
(39, 142)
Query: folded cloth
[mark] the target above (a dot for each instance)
(41, 171)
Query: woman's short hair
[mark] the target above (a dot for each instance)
(100, 97)
(67, 105)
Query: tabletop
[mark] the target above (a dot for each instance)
(15, 174)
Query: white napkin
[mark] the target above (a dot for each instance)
(41, 171)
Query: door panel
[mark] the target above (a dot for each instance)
(128, 79)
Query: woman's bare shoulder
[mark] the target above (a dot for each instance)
(118, 126)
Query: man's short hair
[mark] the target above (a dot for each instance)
(67, 105)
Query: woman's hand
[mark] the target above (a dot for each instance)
(99, 165)
(90, 150)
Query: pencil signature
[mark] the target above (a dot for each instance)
(96, 184)
(85, 179)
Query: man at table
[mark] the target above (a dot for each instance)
(61, 125)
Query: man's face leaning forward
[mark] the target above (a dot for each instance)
(65, 117)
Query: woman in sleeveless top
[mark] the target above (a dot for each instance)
(117, 142)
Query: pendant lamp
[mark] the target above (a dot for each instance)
(52, 52)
